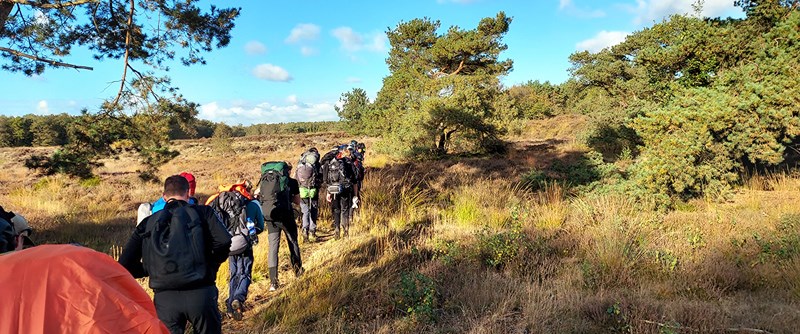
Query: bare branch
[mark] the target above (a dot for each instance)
(442, 73)
(48, 61)
(127, 52)
(460, 67)
(57, 5)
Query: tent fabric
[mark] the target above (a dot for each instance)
(71, 289)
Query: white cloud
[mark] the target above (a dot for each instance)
(647, 11)
(564, 4)
(271, 73)
(353, 80)
(255, 48)
(308, 51)
(42, 108)
(353, 41)
(601, 41)
(291, 99)
(303, 32)
(267, 113)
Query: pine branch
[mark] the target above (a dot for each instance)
(57, 5)
(44, 60)
(127, 53)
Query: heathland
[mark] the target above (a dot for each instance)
(503, 243)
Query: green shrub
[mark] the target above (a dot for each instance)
(416, 296)
(499, 248)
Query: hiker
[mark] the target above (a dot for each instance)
(340, 179)
(309, 178)
(14, 232)
(180, 248)
(358, 168)
(242, 216)
(277, 191)
(147, 209)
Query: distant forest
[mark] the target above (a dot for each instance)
(58, 130)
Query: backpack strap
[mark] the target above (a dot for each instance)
(192, 212)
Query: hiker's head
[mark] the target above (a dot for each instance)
(176, 187)
(313, 149)
(192, 182)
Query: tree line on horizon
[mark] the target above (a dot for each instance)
(61, 129)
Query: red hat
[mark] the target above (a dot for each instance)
(192, 182)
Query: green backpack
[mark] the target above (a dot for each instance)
(275, 197)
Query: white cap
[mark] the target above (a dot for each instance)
(20, 224)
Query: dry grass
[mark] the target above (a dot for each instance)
(566, 263)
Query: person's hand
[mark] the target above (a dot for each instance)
(328, 197)
(355, 202)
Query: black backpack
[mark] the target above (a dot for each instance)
(232, 206)
(173, 248)
(337, 175)
(275, 196)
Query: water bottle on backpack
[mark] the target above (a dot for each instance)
(251, 230)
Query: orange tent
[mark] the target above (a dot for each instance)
(71, 289)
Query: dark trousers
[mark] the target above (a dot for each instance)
(340, 204)
(274, 239)
(241, 268)
(310, 208)
(197, 306)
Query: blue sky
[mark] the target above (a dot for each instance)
(292, 60)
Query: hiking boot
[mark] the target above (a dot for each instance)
(336, 234)
(299, 271)
(273, 286)
(305, 235)
(236, 310)
(346, 233)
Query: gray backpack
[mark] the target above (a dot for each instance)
(231, 205)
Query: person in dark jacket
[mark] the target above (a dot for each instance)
(195, 301)
(289, 229)
(341, 189)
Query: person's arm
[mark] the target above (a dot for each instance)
(254, 213)
(131, 257)
(6, 236)
(220, 238)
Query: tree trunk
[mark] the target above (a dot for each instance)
(5, 9)
(442, 142)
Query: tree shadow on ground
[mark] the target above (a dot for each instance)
(568, 166)
(100, 236)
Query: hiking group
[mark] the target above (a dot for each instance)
(180, 244)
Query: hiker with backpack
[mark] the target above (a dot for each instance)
(340, 178)
(309, 179)
(147, 209)
(14, 232)
(242, 216)
(358, 168)
(180, 248)
(276, 192)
